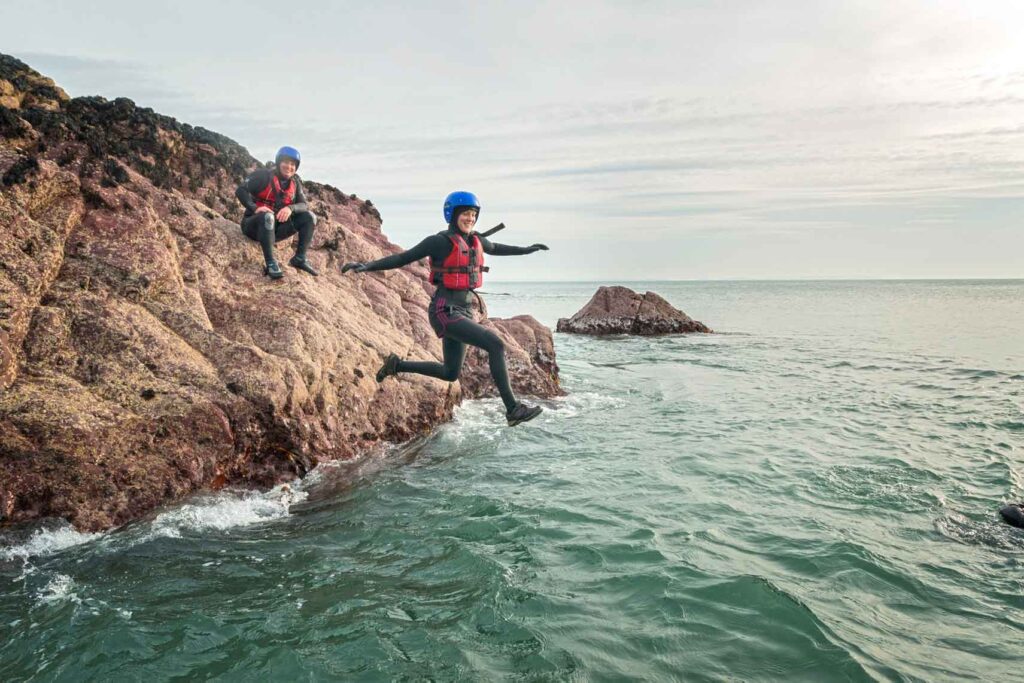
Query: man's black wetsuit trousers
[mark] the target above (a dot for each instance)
(457, 334)
(265, 229)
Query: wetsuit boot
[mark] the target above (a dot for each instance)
(273, 271)
(304, 223)
(522, 413)
(389, 368)
(301, 263)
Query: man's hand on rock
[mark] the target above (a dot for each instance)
(355, 265)
(284, 214)
(537, 247)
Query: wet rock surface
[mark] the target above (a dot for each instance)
(620, 310)
(143, 354)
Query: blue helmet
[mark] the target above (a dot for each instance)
(458, 199)
(289, 153)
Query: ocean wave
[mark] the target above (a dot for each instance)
(227, 510)
(45, 542)
(990, 533)
(974, 373)
(206, 512)
(60, 588)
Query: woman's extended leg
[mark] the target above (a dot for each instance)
(458, 333)
(454, 354)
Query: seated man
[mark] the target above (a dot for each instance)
(276, 209)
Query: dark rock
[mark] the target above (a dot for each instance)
(11, 125)
(19, 171)
(114, 172)
(1013, 514)
(620, 310)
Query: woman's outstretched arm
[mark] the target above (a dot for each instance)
(421, 250)
(496, 249)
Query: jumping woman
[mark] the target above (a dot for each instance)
(456, 268)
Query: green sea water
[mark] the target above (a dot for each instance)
(809, 494)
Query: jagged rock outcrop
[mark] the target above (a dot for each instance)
(620, 310)
(143, 355)
(529, 354)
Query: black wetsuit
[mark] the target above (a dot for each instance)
(450, 315)
(264, 227)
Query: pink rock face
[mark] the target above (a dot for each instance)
(143, 354)
(620, 310)
(529, 354)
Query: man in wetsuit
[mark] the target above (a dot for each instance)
(276, 209)
(456, 258)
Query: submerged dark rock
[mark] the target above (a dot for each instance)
(620, 310)
(1013, 514)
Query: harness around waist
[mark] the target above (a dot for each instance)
(459, 297)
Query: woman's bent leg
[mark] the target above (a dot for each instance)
(469, 332)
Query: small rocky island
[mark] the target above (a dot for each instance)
(620, 310)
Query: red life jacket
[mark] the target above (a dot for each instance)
(463, 268)
(273, 196)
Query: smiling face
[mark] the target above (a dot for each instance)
(286, 167)
(466, 220)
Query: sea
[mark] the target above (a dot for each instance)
(808, 494)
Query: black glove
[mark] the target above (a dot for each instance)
(537, 247)
(356, 266)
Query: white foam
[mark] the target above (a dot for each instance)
(61, 587)
(47, 542)
(484, 419)
(219, 511)
(584, 402)
(227, 510)
(479, 418)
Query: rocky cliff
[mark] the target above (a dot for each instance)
(143, 355)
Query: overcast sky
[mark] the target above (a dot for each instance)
(640, 140)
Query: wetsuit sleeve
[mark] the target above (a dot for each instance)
(496, 249)
(253, 184)
(300, 204)
(431, 246)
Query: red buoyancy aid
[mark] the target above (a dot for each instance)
(273, 196)
(463, 268)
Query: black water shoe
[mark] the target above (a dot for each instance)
(389, 368)
(273, 271)
(522, 413)
(302, 264)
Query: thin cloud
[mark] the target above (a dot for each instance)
(756, 126)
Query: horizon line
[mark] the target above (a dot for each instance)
(781, 279)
